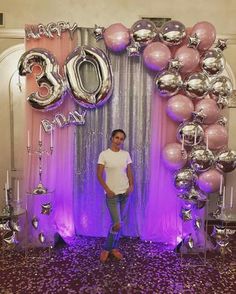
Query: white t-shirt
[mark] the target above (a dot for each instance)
(115, 168)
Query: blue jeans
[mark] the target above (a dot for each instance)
(117, 206)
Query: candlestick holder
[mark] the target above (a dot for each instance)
(8, 209)
(40, 152)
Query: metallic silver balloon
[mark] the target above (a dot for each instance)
(192, 133)
(168, 83)
(193, 41)
(100, 62)
(221, 44)
(186, 213)
(134, 49)
(226, 161)
(15, 225)
(46, 208)
(75, 118)
(189, 242)
(98, 32)
(172, 33)
(212, 62)
(222, 121)
(10, 238)
(201, 159)
(143, 32)
(193, 196)
(184, 179)
(197, 85)
(197, 223)
(35, 222)
(4, 226)
(222, 102)
(221, 87)
(48, 78)
(41, 238)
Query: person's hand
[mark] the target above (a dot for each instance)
(129, 190)
(110, 193)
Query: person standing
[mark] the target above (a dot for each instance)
(118, 184)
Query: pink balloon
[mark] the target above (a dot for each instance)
(173, 157)
(209, 181)
(206, 32)
(217, 137)
(180, 108)
(189, 57)
(156, 56)
(116, 37)
(210, 109)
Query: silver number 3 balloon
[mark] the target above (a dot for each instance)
(48, 78)
(98, 59)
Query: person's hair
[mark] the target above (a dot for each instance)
(117, 131)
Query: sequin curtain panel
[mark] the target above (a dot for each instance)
(129, 109)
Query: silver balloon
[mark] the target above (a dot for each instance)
(15, 226)
(192, 132)
(172, 33)
(186, 213)
(221, 87)
(222, 102)
(201, 159)
(197, 85)
(10, 238)
(46, 208)
(4, 226)
(184, 179)
(222, 121)
(212, 62)
(189, 242)
(41, 238)
(133, 49)
(143, 32)
(221, 44)
(168, 83)
(197, 223)
(60, 120)
(193, 196)
(75, 118)
(100, 62)
(198, 116)
(48, 78)
(175, 64)
(226, 161)
(35, 222)
(193, 41)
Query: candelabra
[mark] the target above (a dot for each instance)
(40, 151)
(8, 209)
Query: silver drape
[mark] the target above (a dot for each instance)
(128, 108)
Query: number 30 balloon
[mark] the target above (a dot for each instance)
(96, 57)
(48, 78)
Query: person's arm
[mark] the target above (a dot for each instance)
(130, 178)
(100, 170)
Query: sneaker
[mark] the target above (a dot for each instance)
(117, 254)
(104, 256)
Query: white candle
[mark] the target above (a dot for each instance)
(221, 184)
(207, 142)
(195, 137)
(51, 145)
(182, 148)
(40, 133)
(7, 184)
(18, 191)
(28, 139)
(223, 200)
(6, 196)
(231, 196)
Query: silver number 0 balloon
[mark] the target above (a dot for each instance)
(48, 78)
(96, 57)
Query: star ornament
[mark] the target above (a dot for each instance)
(198, 116)
(133, 49)
(221, 44)
(175, 64)
(193, 41)
(98, 32)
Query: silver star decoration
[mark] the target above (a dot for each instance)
(193, 41)
(222, 121)
(175, 64)
(133, 49)
(198, 116)
(98, 32)
(221, 44)
(222, 102)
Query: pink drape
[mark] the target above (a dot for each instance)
(162, 222)
(57, 168)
